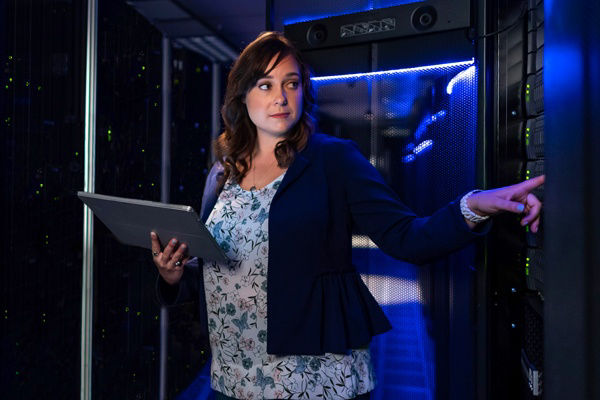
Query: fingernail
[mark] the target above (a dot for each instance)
(183, 247)
(152, 234)
(174, 241)
(521, 208)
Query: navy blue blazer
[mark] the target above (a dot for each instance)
(317, 302)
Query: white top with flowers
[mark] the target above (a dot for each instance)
(236, 297)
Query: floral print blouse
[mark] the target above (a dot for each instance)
(236, 296)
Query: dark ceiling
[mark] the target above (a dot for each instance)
(236, 21)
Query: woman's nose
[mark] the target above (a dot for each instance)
(281, 97)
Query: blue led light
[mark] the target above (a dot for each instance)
(422, 128)
(423, 146)
(468, 73)
(393, 71)
(368, 7)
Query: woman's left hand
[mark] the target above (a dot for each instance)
(515, 198)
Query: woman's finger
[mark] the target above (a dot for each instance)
(534, 208)
(178, 256)
(531, 184)
(535, 225)
(169, 249)
(508, 205)
(155, 244)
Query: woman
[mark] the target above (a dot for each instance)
(288, 315)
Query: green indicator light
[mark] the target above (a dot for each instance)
(37, 192)
(528, 86)
(138, 313)
(527, 265)
(156, 317)
(139, 75)
(139, 185)
(528, 259)
(157, 86)
(527, 92)
(143, 67)
(10, 79)
(526, 271)
(126, 309)
(39, 88)
(155, 104)
(143, 151)
(528, 172)
(16, 372)
(528, 129)
(10, 57)
(42, 185)
(527, 142)
(27, 84)
(527, 228)
(109, 131)
(76, 154)
(527, 135)
(152, 184)
(6, 87)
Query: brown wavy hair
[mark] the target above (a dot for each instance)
(235, 146)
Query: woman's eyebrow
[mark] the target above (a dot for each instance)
(286, 75)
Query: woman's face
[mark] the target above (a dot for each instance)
(275, 103)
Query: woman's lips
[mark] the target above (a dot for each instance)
(280, 115)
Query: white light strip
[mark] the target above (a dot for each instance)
(89, 185)
(468, 73)
(393, 71)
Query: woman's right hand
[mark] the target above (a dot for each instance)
(170, 260)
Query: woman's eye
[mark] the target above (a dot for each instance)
(294, 84)
(263, 86)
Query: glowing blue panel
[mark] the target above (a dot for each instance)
(417, 126)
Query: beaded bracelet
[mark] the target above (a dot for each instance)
(467, 212)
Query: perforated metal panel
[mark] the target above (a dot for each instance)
(417, 127)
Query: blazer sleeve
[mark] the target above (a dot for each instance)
(377, 210)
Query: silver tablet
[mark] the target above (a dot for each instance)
(131, 221)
